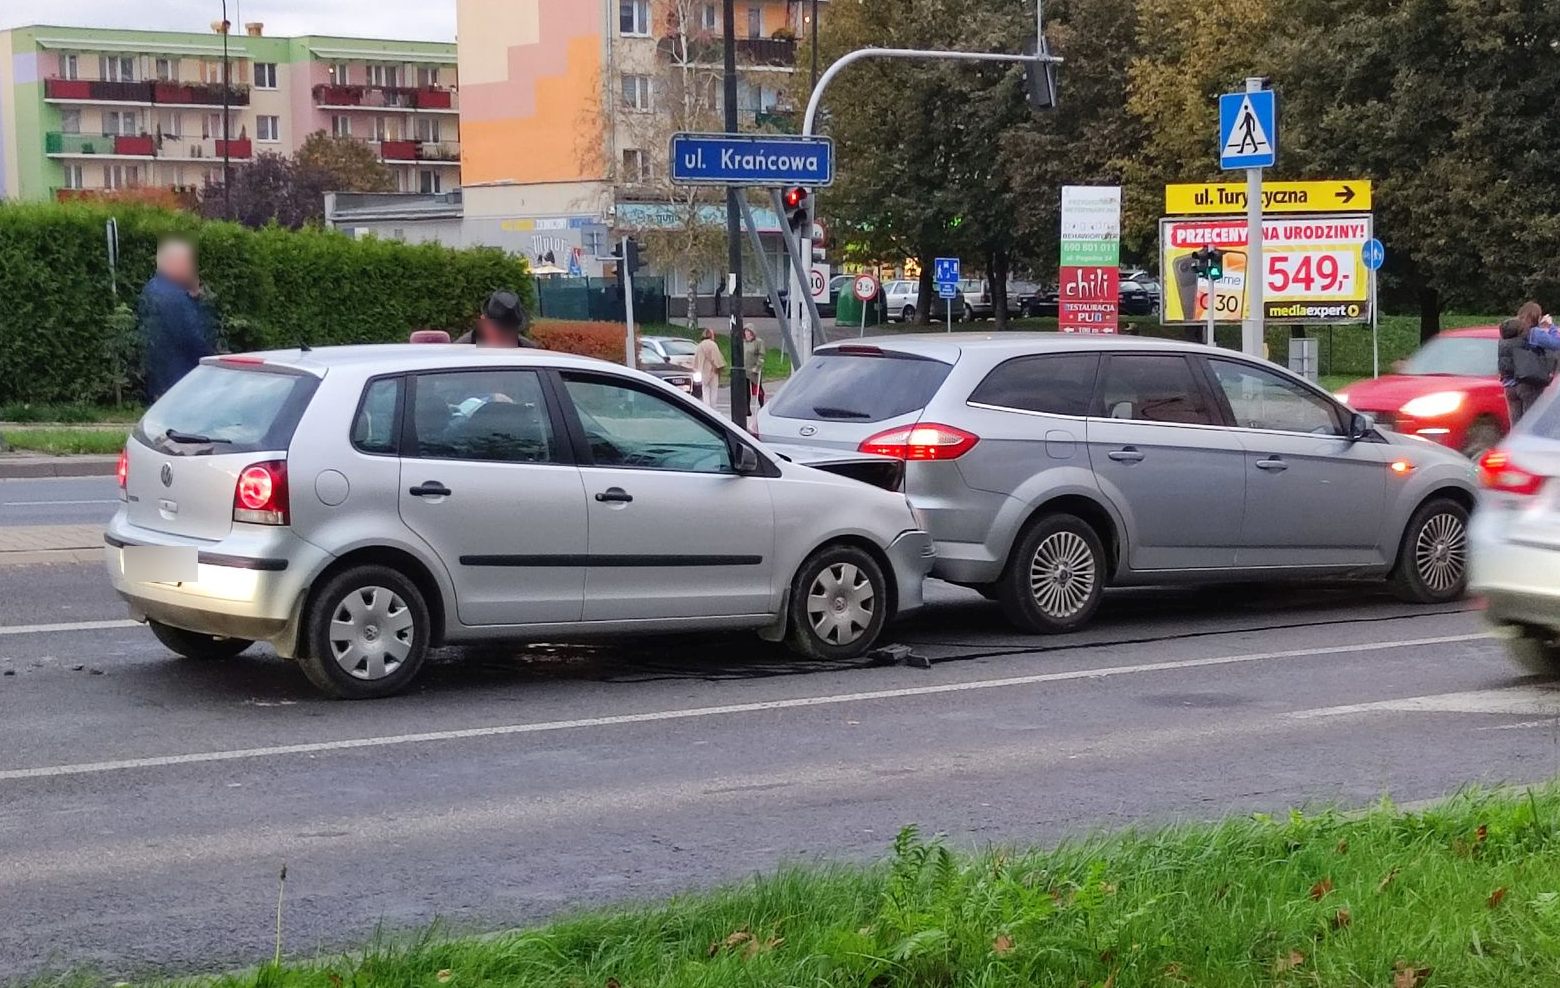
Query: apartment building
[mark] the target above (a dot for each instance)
(564, 104)
(87, 109)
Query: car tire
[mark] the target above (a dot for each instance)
(1482, 435)
(1432, 562)
(1535, 650)
(839, 604)
(367, 631)
(194, 645)
(1055, 577)
(907, 314)
(968, 315)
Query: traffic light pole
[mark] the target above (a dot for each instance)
(1213, 301)
(797, 252)
(626, 275)
(1251, 328)
(739, 379)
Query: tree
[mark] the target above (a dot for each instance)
(269, 189)
(344, 164)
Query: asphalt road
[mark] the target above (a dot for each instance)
(61, 501)
(147, 803)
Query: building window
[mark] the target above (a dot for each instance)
(388, 76)
(636, 92)
(122, 122)
(636, 168)
(265, 75)
(634, 17)
(121, 176)
(339, 75)
(69, 65)
(70, 121)
(172, 124)
(427, 76)
(341, 125)
(709, 17)
(117, 68)
(74, 177)
(755, 22)
(428, 182)
(165, 69)
(268, 128)
(386, 129)
(428, 130)
(211, 125)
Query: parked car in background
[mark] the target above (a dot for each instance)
(1037, 299)
(1514, 539)
(673, 350)
(1049, 466)
(902, 296)
(978, 304)
(1136, 300)
(651, 363)
(1448, 391)
(1146, 281)
(357, 506)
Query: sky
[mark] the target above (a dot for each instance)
(417, 20)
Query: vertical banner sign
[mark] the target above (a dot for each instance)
(1089, 285)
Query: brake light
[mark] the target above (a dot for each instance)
(1498, 473)
(122, 468)
(926, 441)
(260, 496)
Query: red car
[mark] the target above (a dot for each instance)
(1448, 391)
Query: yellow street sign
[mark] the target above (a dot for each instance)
(1340, 196)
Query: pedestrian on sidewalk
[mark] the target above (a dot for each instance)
(173, 319)
(707, 365)
(753, 351)
(1524, 365)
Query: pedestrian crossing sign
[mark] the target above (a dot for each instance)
(1248, 130)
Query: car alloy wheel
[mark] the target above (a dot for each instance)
(371, 633)
(840, 604)
(1441, 552)
(1062, 574)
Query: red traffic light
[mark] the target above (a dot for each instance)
(795, 197)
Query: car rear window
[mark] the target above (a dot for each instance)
(220, 408)
(1057, 384)
(860, 387)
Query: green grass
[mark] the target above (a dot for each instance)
(19, 411)
(60, 442)
(1463, 894)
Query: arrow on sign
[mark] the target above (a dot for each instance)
(1345, 194)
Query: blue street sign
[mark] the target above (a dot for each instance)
(1248, 129)
(1374, 254)
(739, 159)
(945, 270)
(947, 289)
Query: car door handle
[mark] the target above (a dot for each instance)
(615, 495)
(1130, 454)
(1275, 464)
(430, 488)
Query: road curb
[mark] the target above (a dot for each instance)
(50, 557)
(31, 467)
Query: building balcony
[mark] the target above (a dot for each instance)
(164, 93)
(238, 147)
(708, 49)
(447, 152)
(330, 95)
(121, 145)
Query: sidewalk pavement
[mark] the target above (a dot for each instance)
(32, 545)
(15, 466)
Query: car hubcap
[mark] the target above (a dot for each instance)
(1062, 576)
(840, 604)
(1441, 552)
(371, 633)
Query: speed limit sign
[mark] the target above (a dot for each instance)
(865, 287)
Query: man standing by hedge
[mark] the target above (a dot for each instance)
(175, 323)
(502, 323)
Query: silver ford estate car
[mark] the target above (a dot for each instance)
(354, 506)
(1049, 466)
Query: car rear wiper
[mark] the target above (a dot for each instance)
(831, 412)
(192, 438)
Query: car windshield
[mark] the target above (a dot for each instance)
(679, 348)
(1473, 356)
(860, 387)
(227, 409)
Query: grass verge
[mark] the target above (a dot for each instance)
(1466, 893)
(23, 411)
(62, 442)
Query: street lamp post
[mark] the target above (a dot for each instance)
(227, 142)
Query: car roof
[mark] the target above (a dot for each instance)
(394, 357)
(946, 346)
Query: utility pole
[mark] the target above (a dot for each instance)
(227, 142)
(739, 385)
(1251, 329)
(814, 45)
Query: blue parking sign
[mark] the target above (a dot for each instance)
(945, 270)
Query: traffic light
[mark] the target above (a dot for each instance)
(634, 263)
(1040, 79)
(1208, 262)
(797, 208)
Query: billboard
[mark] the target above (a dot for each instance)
(1312, 268)
(1089, 280)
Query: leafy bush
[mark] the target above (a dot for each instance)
(588, 339)
(271, 287)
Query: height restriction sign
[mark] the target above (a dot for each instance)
(1313, 269)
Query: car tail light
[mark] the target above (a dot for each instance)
(260, 496)
(122, 468)
(926, 441)
(1498, 473)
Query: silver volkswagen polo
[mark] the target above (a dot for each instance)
(355, 506)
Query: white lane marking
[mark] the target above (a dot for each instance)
(45, 629)
(99, 500)
(159, 761)
(1526, 700)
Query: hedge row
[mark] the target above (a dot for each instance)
(272, 288)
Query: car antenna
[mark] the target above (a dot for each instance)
(303, 346)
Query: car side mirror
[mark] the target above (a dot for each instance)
(1359, 426)
(747, 460)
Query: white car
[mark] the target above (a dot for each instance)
(901, 297)
(355, 506)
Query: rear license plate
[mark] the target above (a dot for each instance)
(161, 564)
